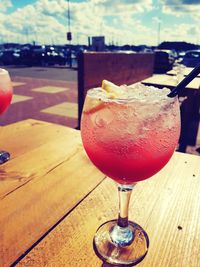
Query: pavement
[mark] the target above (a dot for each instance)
(58, 73)
(48, 94)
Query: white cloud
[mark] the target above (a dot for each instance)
(181, 2)
(31, 23)
(46, 21)
(122, 6)
(91, 18)
(181, 32)
(51, 7)
(182, 7)
(4, 5)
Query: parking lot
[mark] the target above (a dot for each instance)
(51, 73)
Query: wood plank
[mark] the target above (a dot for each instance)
(30, 142)
(186, 71)
(167, 206)
(14, 134)
(120, 68)
(162, 80)
(36, 189)
(37, 162)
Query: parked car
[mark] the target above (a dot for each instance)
(191, 58)
(9, 57)
(42, 56)
(164, 60)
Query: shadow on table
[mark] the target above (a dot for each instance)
(105, 264)
(111, 265)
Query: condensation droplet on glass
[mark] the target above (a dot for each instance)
(100, 122)
(104, 117)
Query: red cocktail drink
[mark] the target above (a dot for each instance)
(5, 90)
(5, 99)
(130, 140)
(129, 133)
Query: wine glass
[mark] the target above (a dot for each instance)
(129, 139)
(6, 92)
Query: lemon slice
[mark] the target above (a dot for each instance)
(112, 89)
(94, 104)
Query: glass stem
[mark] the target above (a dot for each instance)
(124, 192)
(121, 234)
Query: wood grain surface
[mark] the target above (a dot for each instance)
(161, 80)
(186, 71)
(167, 206)
(47, 176)
(120, 68)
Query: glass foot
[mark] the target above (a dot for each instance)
(121, 255)
(4, 156)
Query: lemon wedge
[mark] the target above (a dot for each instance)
(92, 105)
(112, 89)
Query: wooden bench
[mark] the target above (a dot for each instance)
(119, 68)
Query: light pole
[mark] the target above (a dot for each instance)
(159, 32)
(69, 35)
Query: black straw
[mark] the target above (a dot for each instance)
(185, 81)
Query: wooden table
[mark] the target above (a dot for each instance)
(169, 81)
(52, 199)
(186, 71)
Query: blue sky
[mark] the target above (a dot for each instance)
(120, 21)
